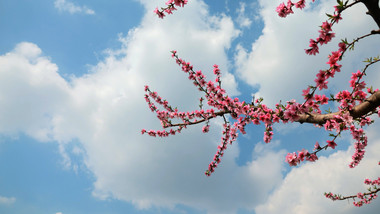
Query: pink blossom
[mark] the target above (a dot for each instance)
(159, 13)
(325, 37)
(300, 4)
(268, 136)
(317, 146)
(205, 129)
(312, 157)
(283, 10)
(180, 3)
(313, 48)
(331, 144)
(302, 154)
(360, 195)
(321, 98)
(292, 159)
(342, 46)
(337, 17)
(152, 133)
(326, 26)
(305, 92)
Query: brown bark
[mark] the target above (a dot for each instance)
(373, 10)
(362, 109)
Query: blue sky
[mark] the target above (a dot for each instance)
(72, 74)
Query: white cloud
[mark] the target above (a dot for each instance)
(7, 200)
(67, 6)
(242, 19)
(105, 110)
(31, 92)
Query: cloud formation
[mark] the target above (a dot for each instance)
(242, 19)
(67, 6)
(7, 200)
(104, 111)
(31, 92)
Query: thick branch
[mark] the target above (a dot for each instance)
(368, 105)
(373, 10)
(362, 109)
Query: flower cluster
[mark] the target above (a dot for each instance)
(332, 196)
(364, 199)
(325, 33)
(284, 10)
(171, 6)
(293, 159)
(229, 135)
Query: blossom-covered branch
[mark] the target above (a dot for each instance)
(353, 113)
(245, 113)
(171, 6)
(364, 198)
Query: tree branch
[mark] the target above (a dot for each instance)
(219, 113)
(373, 10)
(355, 196)
(368, 105)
